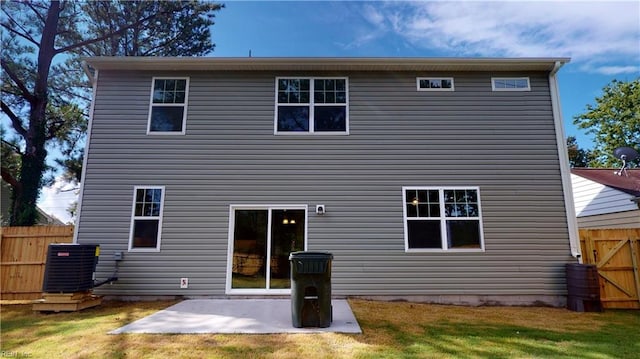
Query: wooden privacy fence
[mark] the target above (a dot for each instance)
(23, 255)
(616, 253)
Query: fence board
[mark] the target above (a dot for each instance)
(616, 253)
(23, 255)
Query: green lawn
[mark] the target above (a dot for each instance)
(390, 330)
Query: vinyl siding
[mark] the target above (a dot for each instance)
(626, 219)
(592, 198)
(502, 142)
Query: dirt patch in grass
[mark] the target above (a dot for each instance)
(417, 315)
(390, 330)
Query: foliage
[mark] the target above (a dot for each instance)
(10, 159)
(614, 120)
(175, 28)
(45, 93)
(578, 157)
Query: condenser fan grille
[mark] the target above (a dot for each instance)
(70, 268)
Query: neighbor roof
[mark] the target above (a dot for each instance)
(608, 177)
(324, 63)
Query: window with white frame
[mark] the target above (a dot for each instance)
(510, 84)
(168, 107)
(437, 218)
(312, 105)
(146, 219)
(434, 84)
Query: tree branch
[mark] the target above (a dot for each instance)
(70, 93)
(35, 11)
(15, 120)
(104, 37)
(68, 190)
(8, 177)
(14, 147)
(24, 36)
(160, 46)
(14, 77)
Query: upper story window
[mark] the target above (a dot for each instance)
(442, 219)
(312, 105)
(434, 83)
(168, 107)
(146, 219)
(510, 84)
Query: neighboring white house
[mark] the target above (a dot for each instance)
(604, 199)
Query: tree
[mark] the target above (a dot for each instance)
(615, 121)
(44, 92)
(174, 28)
(578, 157)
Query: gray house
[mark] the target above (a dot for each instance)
(440, 180)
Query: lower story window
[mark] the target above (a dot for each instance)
(146, 219)
(437, 218)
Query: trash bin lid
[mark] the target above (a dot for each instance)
(310, 255)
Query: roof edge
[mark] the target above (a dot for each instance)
(326, 63)
(607, 177)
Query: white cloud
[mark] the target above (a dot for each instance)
(371, 29)
(615, 70)
(373, 16)
(603, 35)
(56, 199)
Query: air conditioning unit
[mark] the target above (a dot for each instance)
(70, 268)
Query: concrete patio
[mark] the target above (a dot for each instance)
(234, 316)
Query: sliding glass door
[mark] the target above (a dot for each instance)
(260, 242)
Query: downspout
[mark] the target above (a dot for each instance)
(565, 172)
(94, 82)
(87, 72)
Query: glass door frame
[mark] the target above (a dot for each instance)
(230, 252)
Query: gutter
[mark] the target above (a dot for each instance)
(556, 67)
(565, 169)
(153, 63)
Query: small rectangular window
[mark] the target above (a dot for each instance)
(510, 84)
(312, 105)
(442, 219)
(168, 106)
(146, 219)
(434, 83)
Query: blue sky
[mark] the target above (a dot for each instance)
(602, 38)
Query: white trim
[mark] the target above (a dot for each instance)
(326, 64)
(184, 106)
(565, 171)
(443, 219)
(269, 208)
(311, 105)
(438, 89)
(134, 217)
(83, 176)
(494, 88)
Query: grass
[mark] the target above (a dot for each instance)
(390, 330)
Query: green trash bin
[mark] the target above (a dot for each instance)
(311, 289)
